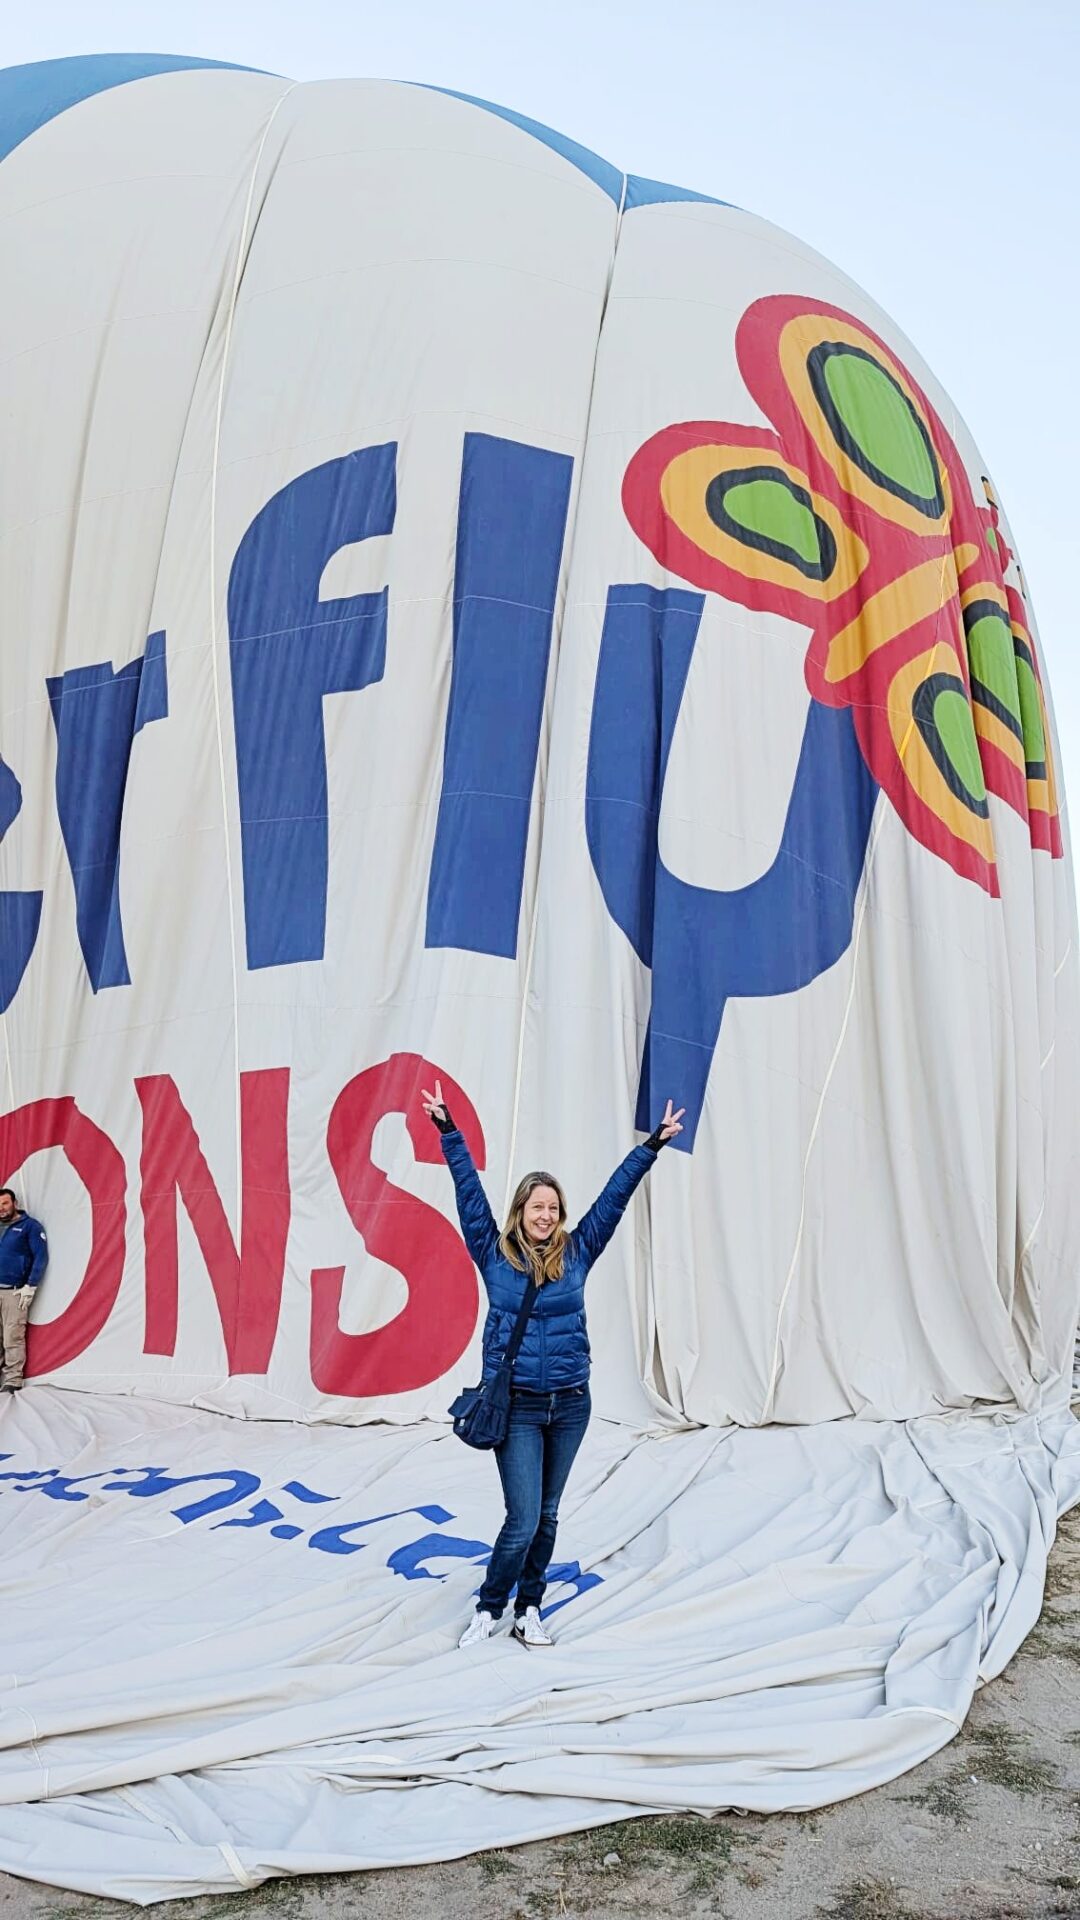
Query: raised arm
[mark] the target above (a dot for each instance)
(478, 1228)
(595, 1228)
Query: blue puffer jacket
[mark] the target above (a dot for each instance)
(24, 1252)
(555, 1350)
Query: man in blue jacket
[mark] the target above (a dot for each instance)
(24, 1256)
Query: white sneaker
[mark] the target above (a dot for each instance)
(480, 1627)
(530, 1629)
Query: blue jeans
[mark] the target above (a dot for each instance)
(534, 1462)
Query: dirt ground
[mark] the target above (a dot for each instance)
(989, 1829)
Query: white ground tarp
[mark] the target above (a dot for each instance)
(234, 1651)
(467, 610)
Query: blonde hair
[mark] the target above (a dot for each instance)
(544, 1262)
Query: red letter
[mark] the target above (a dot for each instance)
(436, 1324)
(247, 1287)
(100, 1167)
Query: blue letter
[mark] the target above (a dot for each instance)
(288, 648)
(704, 946)
(97, 714)
(511, 521)
(332, 1539)
(240, 1485)
(411, 1560)
(20, 913)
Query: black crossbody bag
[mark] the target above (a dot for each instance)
(481, 1414)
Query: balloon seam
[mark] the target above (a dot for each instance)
(241, 251)
(842, 1035)
(541, 784)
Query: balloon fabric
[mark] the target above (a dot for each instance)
(470, 613)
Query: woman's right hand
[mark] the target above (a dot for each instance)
(436, 1108)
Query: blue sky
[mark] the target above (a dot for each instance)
(932, 150)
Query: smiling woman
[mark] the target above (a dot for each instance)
(533, 1404)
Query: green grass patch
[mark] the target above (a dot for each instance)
(1004, 1760)
(701, 1852)
(494, 1864)
(945, 1797)
(867, 1900)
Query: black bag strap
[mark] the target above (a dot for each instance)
(518, 1334)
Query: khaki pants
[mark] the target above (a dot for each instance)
(13, 1316)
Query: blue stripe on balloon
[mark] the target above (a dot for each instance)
(650, 193)
(607, 177)
(34, 94)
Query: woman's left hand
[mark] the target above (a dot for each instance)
(670, 1124)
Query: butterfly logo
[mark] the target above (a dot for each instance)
(854, 516)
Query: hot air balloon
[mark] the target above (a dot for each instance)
(466, 610)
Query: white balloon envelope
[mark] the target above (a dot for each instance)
(467, 611)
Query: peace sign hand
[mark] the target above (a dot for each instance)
(667, 1128)
(436, 1108)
